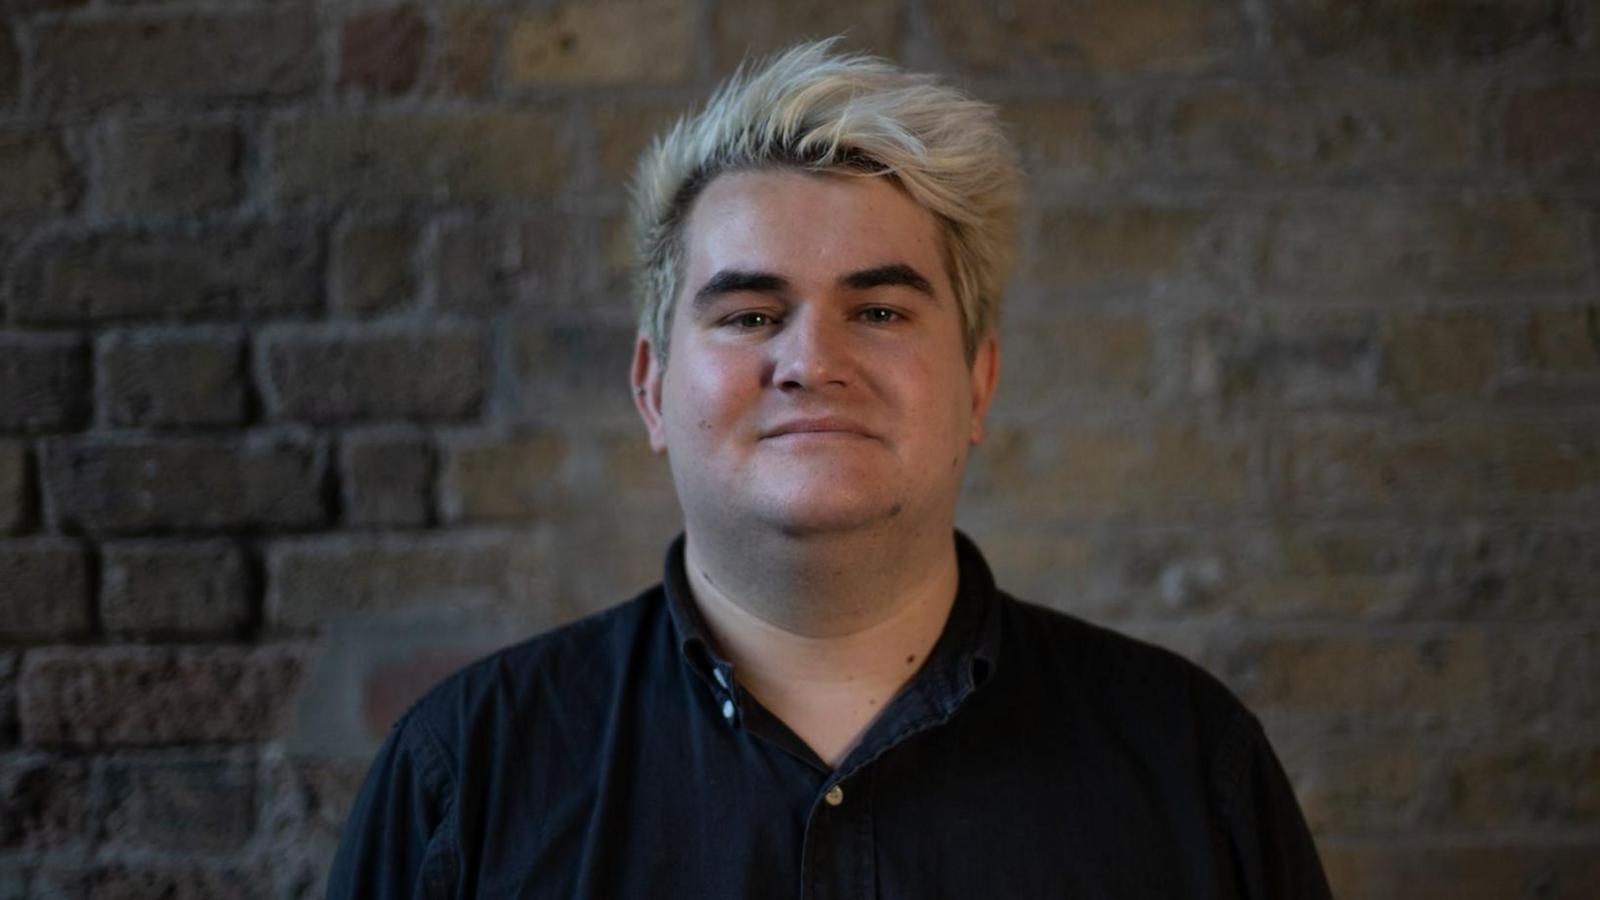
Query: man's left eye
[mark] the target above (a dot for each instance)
(879, 314)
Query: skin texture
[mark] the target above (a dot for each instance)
(816, 411)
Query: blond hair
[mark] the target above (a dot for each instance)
(813, 110)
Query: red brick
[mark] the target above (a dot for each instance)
(36, 175)
(195, 58)
(380, 51)
(470, 37)
(326, 158)
(44, 803)
(754, 30)
(168, 588)
(1411, 36)
(605, 42)
(44, 382)
(387, 478)
(1491, 868)
(46, 589)
(128, 485)
(373, 271)
(1111, 36)
(314, 581)
(16, 489)
(487, 479)
(185, 803)
(1554, 127)
(171, 377)
(160, 169)
(96, 696)
(227, 273)
(341, 374)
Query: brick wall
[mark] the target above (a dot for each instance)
(313, 341)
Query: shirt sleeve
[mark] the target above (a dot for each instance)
(396, 843)
(1272, 851)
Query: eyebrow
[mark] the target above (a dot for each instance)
(730, 281)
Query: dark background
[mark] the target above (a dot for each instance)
(314, 333)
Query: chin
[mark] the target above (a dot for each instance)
(823, 511)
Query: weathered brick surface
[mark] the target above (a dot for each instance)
(1079, 136)
(753, 30)
(372, 268)
(153, 168)
(1554, 127)
(482, 267)
(223, 274)
(469, 39)
(1410, 36)
(35, 173)
(1125, 249)
(44, 802)
(46, 589)
(1442, 353)
(381, 51)
(175, 880)
(10, 66)
(128, 485)
(569, 365)
(171, 376)
(1529, 784)
(607, 42)
(1061, 360)
(1035, 36)
(194, 58)
(459, 156)
(178, 802)
(94, 696)
(1564, 340)
(339, 374)
(197, 588)
(1517, 868)
(44, 382)
(387, 478)
(493, 479)
(16, 492)
(1321, 360)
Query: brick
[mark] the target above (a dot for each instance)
(1424, 679)
(346, 158)
(1441, 353)
(102, 696)
(44, 803)
(1554, 127)
(469, 50)
(519, 478)
(380, 51)
(1094, 35)
(623, 131)
(128, 485)
(225, 273)
(1354, 786)
(161, 588)
(1459, 464)
(1298, 362)
(1529, 785)
(157, 169)
(606, 42)
(483, 267)
(565, 365)
(190, 59)
(391, 687)
(16, 492)
(335, 374)
(1121, 249)
(1565, 341)
(9, 663)
(44, 382)
(171, 377)
(314, 581)
(1386, 245)
(1065, 473)
(36, 176)
(1412, 36)
(10, 66)
(1305, 129)
(1079, 136)
(386, 478)
(372, 268)
(170, 880)
(1546, 678)
(185, 803)
(47, 589)
(1489, 868)
(307, 798)
(1056, 360)
(743, 31)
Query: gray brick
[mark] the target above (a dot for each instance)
(221, 274)
(89, 696)
(44, 382)
(387, 478)
(35, 173)
(372, 269)
(339, 374)
(15, 490)
(46, 588)
(183, 803)
(168, 377)
(161, 169)
(132, 484)
(173, 588)
(44, 803)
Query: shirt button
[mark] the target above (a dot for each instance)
(722, 677)
(727, 710)
(834, 796)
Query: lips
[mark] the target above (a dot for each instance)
(819, 426)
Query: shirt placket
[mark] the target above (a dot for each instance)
(838, 858)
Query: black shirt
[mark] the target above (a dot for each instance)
(1033, 755)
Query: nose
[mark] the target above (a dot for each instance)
(811, 353)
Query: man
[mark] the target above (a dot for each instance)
(826, 696)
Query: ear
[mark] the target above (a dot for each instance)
(985, 378)
(646, 380)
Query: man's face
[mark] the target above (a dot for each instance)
(817, 380)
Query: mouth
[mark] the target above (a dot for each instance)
(819, 428)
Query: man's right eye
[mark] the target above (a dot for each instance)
(750, 320)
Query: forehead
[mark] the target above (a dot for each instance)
(799, 224)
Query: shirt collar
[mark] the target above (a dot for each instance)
(963, 658)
